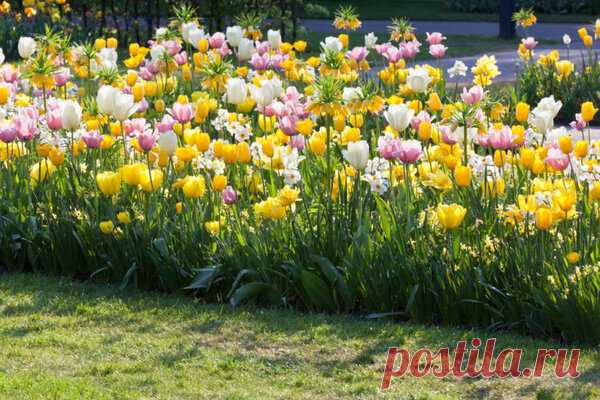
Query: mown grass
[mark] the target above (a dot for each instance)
(65, 340)
(433, 10)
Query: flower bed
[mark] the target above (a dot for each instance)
(234, 167)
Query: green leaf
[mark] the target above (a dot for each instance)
(251, 291)
(204, 278)
(318, 292)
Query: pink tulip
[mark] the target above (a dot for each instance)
(473, 96)
(298, 142)
(501, 139)
(393, 54)
(216, 40)
(557, 159)
(259, 62)
(410, 49)
(420, 117)
(134, 125)
(388, 148)
(146, 74)
(357, 54)
(435, 38)
(9, 73)
(229, 195)
(437, 50)
(579, 122)
(224, 50)
(448, 135)
(182, 112)
(54, 119)
(146, 140)
(172, 47)
(410, 151)
(92, 139)
(529, 43)
(166, 124)
(181, 58)
(288, 124)
(61, 77)
(276, 61)
(382, 48)
(263, 48)
(8, 133)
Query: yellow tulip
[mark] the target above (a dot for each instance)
(41, 171)
(194, 187)
(573, 257)
(151, 181)
(566, 144)
(543, 218)
(588, 111)
(123, 217)
(107, 227)
(219, 182)
(109, 182)
(522, 112)
(462, 176)
(450, 216)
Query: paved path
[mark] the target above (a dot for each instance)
(540, 31)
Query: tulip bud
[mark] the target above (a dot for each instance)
(581, 148)
(462, 175)
(543, 218)
(566, 144)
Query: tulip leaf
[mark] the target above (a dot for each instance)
(251, 291)
(318, 292)
(204, 278)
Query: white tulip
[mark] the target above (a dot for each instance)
(2, 58)
(236, 90)
(268, 90)
(71, 115)
(274, 38)
(161, 32)
(246, 49)
(168, 142)
(195, 35)
(357, 154)
(332, 43)
(370, 40)
(399, 116)
(549, 104)
(541, 120)
(566, 39)
(234, 35)
(458, 69)
(124, 106)
(108, 57)
(157, 52)
(352, 94)
(186, 28)
(106, 99)
(26, 46)
(418, 79)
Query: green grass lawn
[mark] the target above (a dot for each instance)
(65, 340)
(430, 10)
